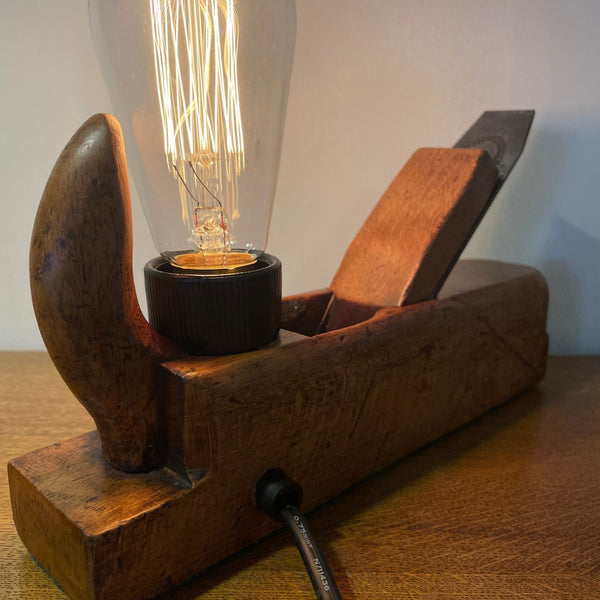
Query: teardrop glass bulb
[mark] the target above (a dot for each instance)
(200, 89)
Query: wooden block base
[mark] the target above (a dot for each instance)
(329, 410)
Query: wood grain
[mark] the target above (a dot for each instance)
(304, 313)
(37, 409)
(504, 508)
(412, 236)
(328, 410)
(85, 301)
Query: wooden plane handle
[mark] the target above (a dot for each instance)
(85, 301)
(404, 249)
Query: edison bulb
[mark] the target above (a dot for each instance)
(200, 89)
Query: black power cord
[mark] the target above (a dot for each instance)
(314, 561)
(279, 497)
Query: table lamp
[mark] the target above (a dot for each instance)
(327, 387)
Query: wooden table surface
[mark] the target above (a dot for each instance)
(507, 507)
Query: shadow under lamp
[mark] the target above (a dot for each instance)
(200, 89)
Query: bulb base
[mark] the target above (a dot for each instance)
(209, 313)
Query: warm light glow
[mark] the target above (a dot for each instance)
(207, 261)
(195, 54)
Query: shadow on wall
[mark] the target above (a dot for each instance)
(548, 216)
(515, 225)
(570, 263)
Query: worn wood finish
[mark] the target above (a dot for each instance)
(412, 236)
(365, 370)
(329, 409)
(304, 313)
(370, 394)
(84, 296)
(504, 508)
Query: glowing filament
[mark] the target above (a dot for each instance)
(195, 55)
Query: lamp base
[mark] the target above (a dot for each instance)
(328, 410)
(210, 312)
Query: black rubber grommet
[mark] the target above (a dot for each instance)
(215, 313)
(274, 491)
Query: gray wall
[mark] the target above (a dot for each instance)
(372, 82)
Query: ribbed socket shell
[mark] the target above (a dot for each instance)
(215, 313)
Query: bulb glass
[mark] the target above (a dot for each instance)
(200, 89)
